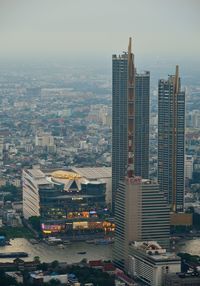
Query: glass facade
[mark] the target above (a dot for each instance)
(171, 141)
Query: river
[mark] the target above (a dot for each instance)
(49, 253)
(191, 246)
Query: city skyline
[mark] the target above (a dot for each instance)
(99, 148)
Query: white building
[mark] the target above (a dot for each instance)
(149, 262)
(40, 276)
(17, 275)
(33, 179)
(44, 140)
(189, 161)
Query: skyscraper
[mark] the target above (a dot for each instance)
(142, 99)
(171, 136)
(119, 120)
(132, 112)
(141, 211)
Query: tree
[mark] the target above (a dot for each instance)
(36, 259)
(43, 266)
(54, 264)
(54, 282)
(35, 222)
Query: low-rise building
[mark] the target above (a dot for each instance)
(17, 275)
(39, 277)
(149, 262)
(182, 279)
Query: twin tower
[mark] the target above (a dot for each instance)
(142, 207)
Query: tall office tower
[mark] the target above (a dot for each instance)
(141, 213)
(171, 137)
(119, 120)
(130, 120)
(142, 98)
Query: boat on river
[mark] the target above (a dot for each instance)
(81, 252)
(13, 254)
(103, 241)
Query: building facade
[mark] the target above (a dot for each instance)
(171, 137)
(119, 120)
(142, 97)
(141, 213)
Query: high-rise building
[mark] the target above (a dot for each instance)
(142, 98)
(119, 120)
(141, 213)
(171, 137)
(126, 111)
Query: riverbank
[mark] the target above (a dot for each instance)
(16, 232)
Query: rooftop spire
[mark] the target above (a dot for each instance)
(130, 46)
(177, 79)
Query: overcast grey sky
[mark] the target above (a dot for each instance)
(99, 27)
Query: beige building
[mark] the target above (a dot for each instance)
(149, 262)
(44, 140)
(141, 213)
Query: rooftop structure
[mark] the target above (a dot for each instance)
(93, 172)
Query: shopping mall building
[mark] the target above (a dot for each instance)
(68, 201)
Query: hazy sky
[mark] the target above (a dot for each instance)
(79, 28)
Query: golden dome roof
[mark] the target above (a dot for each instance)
(65, 175)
